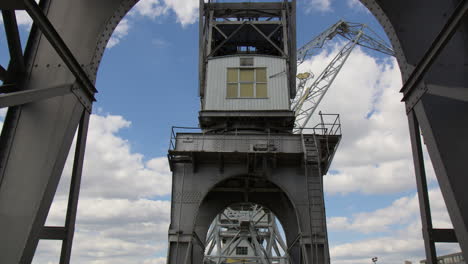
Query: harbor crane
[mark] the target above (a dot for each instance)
(253, 228)
(310, 91)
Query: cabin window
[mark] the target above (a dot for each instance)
(241, 251)
(246, 83)
(246, 61)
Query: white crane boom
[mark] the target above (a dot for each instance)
(309, 96)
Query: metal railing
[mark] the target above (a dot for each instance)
(177, 129)
(330, 125)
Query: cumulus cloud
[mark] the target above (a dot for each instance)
(149, 8)
(185, 10)
(401, 228)
(402, 211)
(122, 216)
(319, 5)
(120, 32)
(375, 146)
(112, 170)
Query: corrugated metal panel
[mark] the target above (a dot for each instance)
(215, 97)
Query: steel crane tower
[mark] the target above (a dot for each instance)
(304, 105)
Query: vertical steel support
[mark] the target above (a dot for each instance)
(75, 188)
(14, 43)
(421, 184)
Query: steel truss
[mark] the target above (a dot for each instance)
(435, 94)
(250, 226)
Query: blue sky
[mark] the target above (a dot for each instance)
(148, 82)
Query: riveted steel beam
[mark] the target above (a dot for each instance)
(59, 45)
(28, 96)
(413, 89)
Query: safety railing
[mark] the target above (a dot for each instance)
(330, 125)
(177, 129)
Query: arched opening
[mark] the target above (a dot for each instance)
(263, 197)
(246, 233)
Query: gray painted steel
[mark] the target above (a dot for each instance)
(212, 172)
(215, 95)
(36, 136)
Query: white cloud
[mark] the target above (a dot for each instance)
(119, 33)
(3, 112)
(401, 212)
(149, 8)
(23, 18)
(319, 5)
(185, 10)
(118, 220)
(401, 226)
(375, 147)
(383, 178)
(356, 5)
(112, 170)
(157, 42)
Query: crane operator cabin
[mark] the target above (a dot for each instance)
(247, 65)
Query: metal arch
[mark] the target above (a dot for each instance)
(48, 124)
(24, 208)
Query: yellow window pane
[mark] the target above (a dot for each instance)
(262, 90)
(232, 90)
(246, 90)
(261, 75)
(246, 75)
(232, 75)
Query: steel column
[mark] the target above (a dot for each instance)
(29, 96)
(75, 188)
(421, 184)
(16, 66)
(444, 134)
